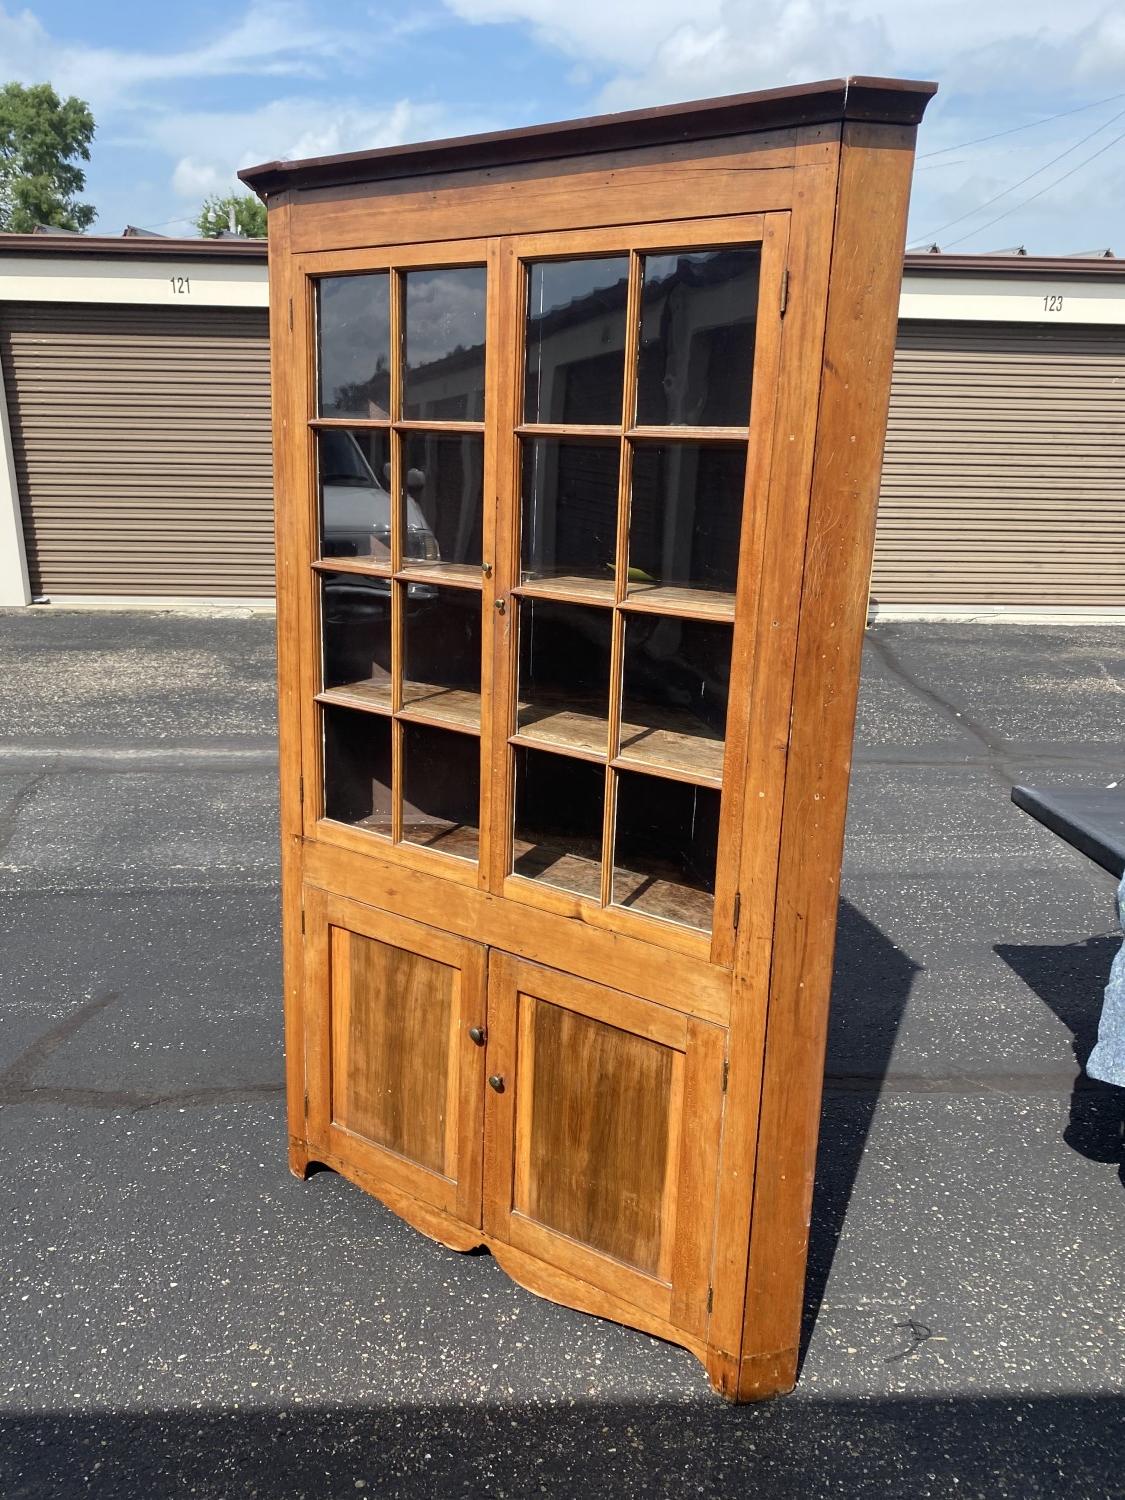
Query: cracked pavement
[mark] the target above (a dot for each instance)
(182, 1317)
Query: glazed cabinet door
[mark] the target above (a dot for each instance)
(602, 1139)
(395, 1017)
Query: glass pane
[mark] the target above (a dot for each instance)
(357, 768)
(355, 502)
(441, 636)
(355, 618)
(353, 325)
(569, 526)
(444, 337)
(674, 698)
(441, 796)
(444, 482)
(564, 674)
(664, 856)
(558, 834)
(576, 340)
(686, 516)
(696, 354)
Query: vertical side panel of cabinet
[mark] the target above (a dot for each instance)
(602, 1143)
(395, 1077)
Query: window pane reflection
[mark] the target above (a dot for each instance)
(354, 346)
(686, 515)
(444, 345)
(696, 354)
(576, 340)
(569, 523)
(354, 469)
(444, 482)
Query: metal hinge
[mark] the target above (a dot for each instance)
(710, 1298)
(306, 1104)
(302, 919)
(784, 290)
(726, 1072)
(737, 916)
(301, 791)
(291, 315)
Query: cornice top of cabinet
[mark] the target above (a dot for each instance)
(893, 101)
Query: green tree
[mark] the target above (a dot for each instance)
(249, 215)
(42, 138)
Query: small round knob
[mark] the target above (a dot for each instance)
(477, 1035)
(496, 1082)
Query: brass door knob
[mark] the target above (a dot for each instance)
(478, 1035)
(496, 1082)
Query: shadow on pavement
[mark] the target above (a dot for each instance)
(870, 987)
(967, 1446)
(1070, 979)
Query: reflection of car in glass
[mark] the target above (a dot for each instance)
(356, 505)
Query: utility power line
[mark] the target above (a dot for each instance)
(1046, 120)
(988, 202)
(1015, 206)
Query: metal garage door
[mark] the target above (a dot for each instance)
(142, 448)
(1004, 475)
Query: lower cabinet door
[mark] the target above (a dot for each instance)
(395, 1081)
(602, 1137)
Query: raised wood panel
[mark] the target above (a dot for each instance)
(395, 1082)
(593, 1164)
(392, 1015)
(592, 1158)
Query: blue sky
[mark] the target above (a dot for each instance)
(184, 94)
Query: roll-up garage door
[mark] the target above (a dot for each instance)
(1004, 474)
(142, 448)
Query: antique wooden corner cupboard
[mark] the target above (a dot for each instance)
(578, 433)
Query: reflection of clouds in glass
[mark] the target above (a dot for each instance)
(355, 336)
(558, 283)
(444, 312)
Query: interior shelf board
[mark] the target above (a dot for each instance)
(665, 895)
(461, 840)
(674, 599)
(563, 864)
(677, 745)
(685, 434)
(566, 726)
(373, 695)
(365, 565)
(569, 589)
(460, 575)
(451, 708)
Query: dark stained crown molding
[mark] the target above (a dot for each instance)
(892, 101)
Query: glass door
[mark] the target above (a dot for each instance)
(634, 499)
(399, 438)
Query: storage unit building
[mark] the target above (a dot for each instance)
(136, 378)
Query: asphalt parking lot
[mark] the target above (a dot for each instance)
(181, 1317)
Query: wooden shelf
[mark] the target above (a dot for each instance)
(449, 708)
(567, 865)
(573, 727)
(461, 840)
(671, 744)
(459, 575)
(368, 566)
(673, 599)
(372, 695)
(667, 896)
(569, 589)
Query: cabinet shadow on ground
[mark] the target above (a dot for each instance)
(1070, 979)
(871, 985)
(788, 1447)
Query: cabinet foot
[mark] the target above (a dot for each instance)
(299, 1159)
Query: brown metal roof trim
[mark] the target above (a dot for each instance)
(1014, 265)
(890, 100)
(108, 247)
